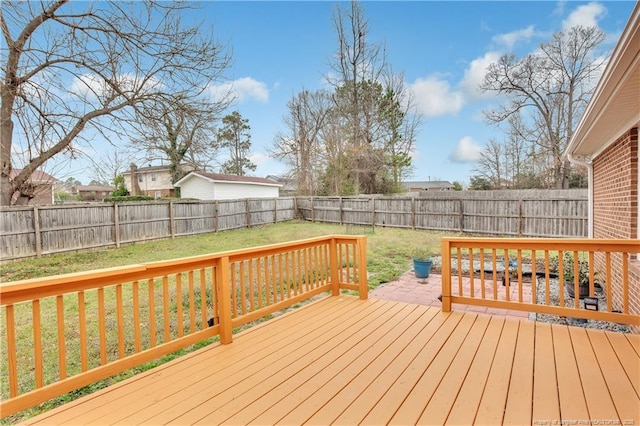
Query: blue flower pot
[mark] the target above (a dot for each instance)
(422, 268)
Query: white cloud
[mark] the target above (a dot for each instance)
(474, 75)
(241, 89)
(510, 39)
(467, 151)
(586, 15)
(259, 158)
(434, 97)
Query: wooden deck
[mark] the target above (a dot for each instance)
(348, 361)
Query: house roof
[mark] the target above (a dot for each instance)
(161, 168)
(428, 184)
(38, 176)
(94, 188)
(219, 177)
(615, 106)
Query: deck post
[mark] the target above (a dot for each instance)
(363, 286)
(224, 299)
(446, 275)
(333, 266)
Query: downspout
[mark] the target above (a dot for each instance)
(589, 166)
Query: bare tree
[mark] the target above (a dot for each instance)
(549, 89)
(491, 165)
(73, 70)
(301, 145)
(107, 169)
(179, 131)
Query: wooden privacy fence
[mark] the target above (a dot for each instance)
(33, 231)
(63, 332)
(530, 213)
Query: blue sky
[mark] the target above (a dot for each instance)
(278, 48)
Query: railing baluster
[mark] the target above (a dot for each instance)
(120, 316)
(251, 284)
(179, 312)
(12, 351)
(607, 257)
(472, 278)
(459, 256)
(203, 298)
(534, 277)
(83, 332)
(136, 316)
(592, 274)
(482, 289)
(561, 277)
(102, 327)
(280, 278)
(520, 283)
(307, 269)
(234, 291)
(261, 293)
(507, 276)
(274, 282)
(287, 273)
(37, 342)
(243, 290)
(192, 304)
(62, 346)
(625, 282)
(152, 312)
(494, 262)
(547, 281)
(165, 305)
(576, 280)
(267, 287)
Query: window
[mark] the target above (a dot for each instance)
(140, 178)
(158, 195)
(153, 177)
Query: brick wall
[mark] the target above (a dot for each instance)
(615, 210)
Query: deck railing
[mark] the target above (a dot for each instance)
(63, 332)
(529, 274)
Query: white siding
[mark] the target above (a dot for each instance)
(236, 190)
(197, 188)
(202, 189)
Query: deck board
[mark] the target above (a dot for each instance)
(347, 361)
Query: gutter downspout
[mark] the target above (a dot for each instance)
(589, 166)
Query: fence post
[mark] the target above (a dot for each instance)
(340, 201)
(36, 229)
(246, 207)
(172, 223)
(313, 219)
(363, 286)
(446, 275)
(520, 219)
(223, 287)
(461, 214)
(116, 221)
(333, 267)
(215, 216)
(413, 213)
(275, 210)
(373, 212)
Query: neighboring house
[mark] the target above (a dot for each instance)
(154, 181)
(43, 187)
(289, 186)
(606, 142)
(431, 185)
(92, 192)
(216, 186)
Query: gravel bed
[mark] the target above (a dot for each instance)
(554, 299)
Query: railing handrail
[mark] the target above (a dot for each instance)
(28, 289)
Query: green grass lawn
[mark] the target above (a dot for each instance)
(388, 254)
